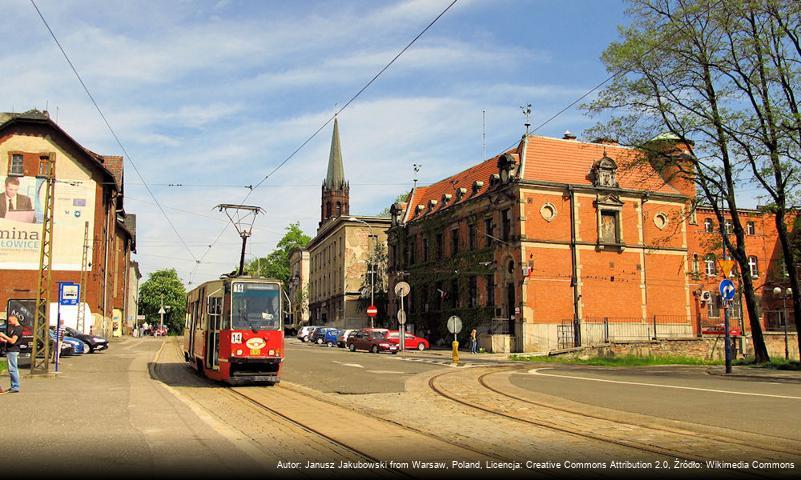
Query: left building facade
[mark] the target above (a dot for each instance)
(88, 198)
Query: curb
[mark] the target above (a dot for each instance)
(770, 378)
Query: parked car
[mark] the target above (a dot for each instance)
(94, 342)
(318, 336)
(342, 339)
(69, 346)
(720, 329)
(303, 332)
(411, 342)
(373, 340)
(330, 337)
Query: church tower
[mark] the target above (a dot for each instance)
(336, 191)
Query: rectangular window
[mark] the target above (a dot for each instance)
(709, 263)
(473, 291)
(753, 266)
(425, 249)
(15, 165)
(708, 225)
(454, 242)
(412, 249)
(609, 229)
(714, 306)
(471, 240)
(488, 232)
(727, 226)
(438, 246)
(454, 293)
(506, 219)
(424, 297)
(490, 290)
(750, 228)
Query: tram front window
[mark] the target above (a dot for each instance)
(256, 306)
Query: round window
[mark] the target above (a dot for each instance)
(548, 212)
(660, 220)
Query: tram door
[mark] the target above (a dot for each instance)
(213, 332)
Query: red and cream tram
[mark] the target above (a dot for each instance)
(234, 329)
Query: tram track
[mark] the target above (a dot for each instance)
(641, 446)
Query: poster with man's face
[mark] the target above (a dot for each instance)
(21, 215)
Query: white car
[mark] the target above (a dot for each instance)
(304, 332)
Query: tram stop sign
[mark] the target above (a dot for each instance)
(372, 311)
(454, 324)
(401, 317)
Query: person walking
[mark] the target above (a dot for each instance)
(473, 341)
(12, 339)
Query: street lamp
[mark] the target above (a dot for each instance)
(370, 264)
(787, 293)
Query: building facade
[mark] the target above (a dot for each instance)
(298, 287)
(88, 196)
(551, 242)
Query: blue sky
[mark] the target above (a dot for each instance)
(220, 92)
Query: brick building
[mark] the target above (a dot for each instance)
(549, 242)
(88, 191)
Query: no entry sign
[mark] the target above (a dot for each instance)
(372, 311)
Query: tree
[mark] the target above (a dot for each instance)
(719, 75)
(377, 262)
(163, 285)
(400, 198)
(276, 263)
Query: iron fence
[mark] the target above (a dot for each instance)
(496, 326)
(774, 321)
(599, 330)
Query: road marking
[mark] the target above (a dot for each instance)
(356, 365)
(536, 371)
(389, 372)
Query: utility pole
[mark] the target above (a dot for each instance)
(41, 320)
(161, 313)
(84, 270)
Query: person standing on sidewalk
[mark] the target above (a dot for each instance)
(473, 341)
(12, 338)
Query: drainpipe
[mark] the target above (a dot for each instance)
(574, 265)
(109, 212)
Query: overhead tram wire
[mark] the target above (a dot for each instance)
(113, 132)
(316, 132)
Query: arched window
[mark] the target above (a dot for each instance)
(339, 209)
(328, 210)
(710, 261)
(695, 263)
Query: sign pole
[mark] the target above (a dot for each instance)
(727, 337)
(57, 353)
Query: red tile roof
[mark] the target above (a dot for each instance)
(547, 159)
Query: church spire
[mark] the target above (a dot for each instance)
(335, 179)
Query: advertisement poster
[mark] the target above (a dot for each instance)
(21, 214)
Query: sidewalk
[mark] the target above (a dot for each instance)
(768, 374)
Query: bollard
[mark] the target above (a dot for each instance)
(455, 345)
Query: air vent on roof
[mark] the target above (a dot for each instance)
(461, 192)
(495, 179)
(477, 185)
(432, 204)
(568, 136)
(420, 208)
(446, 197)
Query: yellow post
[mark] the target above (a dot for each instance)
(455, 345)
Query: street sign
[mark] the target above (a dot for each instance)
(727, 289)
(162, 311)
(401, 317)
(454, 324)
(372, 311)
(68, 293)
(726, 266)
(402, 289)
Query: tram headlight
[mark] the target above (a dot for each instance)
(271, 352)
(239, 351)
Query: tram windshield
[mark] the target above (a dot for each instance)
(256, 306)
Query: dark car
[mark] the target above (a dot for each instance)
(373, 340)
(94, 342)
(318, 336)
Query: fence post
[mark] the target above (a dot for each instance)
(606, 329)
(655, 336)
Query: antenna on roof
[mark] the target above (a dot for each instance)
(527, 113)
(416, 167)
(483, 135)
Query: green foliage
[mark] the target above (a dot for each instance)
(163, 284)
(276, 263)
(619, 361)
(3, 365)
(399, 198)
(773, 364)
(378, 260)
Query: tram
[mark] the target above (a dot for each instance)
(234, 329)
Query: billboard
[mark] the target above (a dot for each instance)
(21, 214)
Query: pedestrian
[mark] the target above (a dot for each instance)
(12, 339)
(473, 341)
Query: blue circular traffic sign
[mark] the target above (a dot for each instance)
(727, 289)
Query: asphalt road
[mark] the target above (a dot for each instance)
(337, 370)
(686, 394)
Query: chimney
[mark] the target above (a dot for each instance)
(568, 136)
(606, 141)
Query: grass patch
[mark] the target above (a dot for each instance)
(621, 361)
(774, 364)
(3, 365)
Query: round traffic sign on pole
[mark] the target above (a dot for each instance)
(727, 289)
(454, 324)
(372, 311)
(402, 289)
(401, 317)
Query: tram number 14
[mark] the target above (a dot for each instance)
(236, 337)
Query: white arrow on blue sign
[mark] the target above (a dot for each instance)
(727, 289)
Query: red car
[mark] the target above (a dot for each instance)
(411, 342)
(373, 340)
(720, 329)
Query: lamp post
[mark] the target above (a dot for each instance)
(788, 292)
(370, 264)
